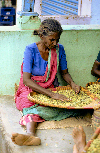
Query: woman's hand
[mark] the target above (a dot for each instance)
(59, 97)
(75, 87)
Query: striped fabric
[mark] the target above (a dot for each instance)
(59, 7)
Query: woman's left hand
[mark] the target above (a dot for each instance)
(75, 87)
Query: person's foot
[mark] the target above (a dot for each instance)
(79, 139)
(28, 140)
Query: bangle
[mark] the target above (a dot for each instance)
(84, 151)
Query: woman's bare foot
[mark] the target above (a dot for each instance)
(79, 139)
(28, 140)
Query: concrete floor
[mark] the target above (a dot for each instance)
(52, 140)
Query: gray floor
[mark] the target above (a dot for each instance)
(58, 140)
(52, 140)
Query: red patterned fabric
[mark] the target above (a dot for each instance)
(29, 118)
(21, 99)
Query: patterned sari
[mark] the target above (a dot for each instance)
(45, 81)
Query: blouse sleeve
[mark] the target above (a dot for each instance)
(98, 57)
(62, 58)
(27, 61)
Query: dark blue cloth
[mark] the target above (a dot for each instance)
(99, 80)
(98, 57)
(35, 64)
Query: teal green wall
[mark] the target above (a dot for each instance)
(81, 46)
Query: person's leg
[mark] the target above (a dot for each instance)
(75, 149)
(31, 128)
(79, 139)
(29, 138)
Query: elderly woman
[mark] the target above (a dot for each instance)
(38, 73)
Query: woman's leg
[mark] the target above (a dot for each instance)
(31, 128)
(29, 138)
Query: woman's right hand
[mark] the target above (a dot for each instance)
(59, 97)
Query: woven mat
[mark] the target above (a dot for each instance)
(69, 122)
(85, 120)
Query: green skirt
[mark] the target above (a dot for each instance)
(53, 113)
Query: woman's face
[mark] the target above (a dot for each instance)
(51, 41)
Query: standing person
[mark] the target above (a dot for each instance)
(38, 72)
(96, 67)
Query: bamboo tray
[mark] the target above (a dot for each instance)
(95, 136)
(94, 92)
(95, 103)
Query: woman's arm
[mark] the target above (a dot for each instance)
(34, 86)
(68, 79)
(96, 69)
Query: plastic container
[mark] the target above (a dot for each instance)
(6, 23)
(96, 119)
(6, 18)
(7, 11)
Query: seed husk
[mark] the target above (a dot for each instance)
(77, 100)
(95, 89)
(94, 147)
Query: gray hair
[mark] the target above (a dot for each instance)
(48, 27)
